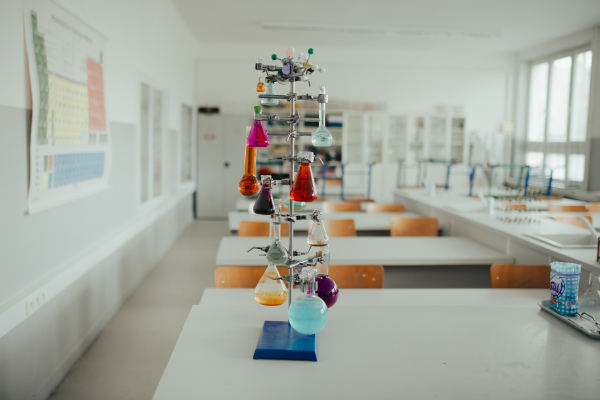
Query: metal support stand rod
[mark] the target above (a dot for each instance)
(292, 165)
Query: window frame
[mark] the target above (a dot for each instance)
(570, 147)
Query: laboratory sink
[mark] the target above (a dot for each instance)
(567, 241)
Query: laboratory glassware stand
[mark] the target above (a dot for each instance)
(278, 339)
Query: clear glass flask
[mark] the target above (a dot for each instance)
(327, 289)
(322, 137)
(303, 188)
(258, 135)
(264, 202)
(317, 235)
(270, 90)
(277, 253)
(308, 313)
(260, 86)
(249, 184)
(271, 292)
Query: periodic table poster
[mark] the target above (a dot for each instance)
(70, 142)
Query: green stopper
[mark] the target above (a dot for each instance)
(279, 73)
(256, 109)
(273, 56)
(311, 51)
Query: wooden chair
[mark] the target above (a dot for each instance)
(346, 276)
(566, 208)
(550, 198)
(359, 200)
(573, 221)
(241, 277)
(378, 208)
(339, 227)
(256, 228)
(341, 207)
(509, 276)
(357, 276)
(418, 226)
(594, 207)
(520, 207)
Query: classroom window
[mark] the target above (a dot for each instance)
(559, 89)
(151, 142)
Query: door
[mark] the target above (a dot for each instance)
(221, 145)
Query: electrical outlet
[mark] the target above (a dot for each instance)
(35, 301)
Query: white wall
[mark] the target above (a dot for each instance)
(412, 82)
(90, 254)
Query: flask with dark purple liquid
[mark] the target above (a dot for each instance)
(327, 289)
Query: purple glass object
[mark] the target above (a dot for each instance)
(327, 290)
(264, 203)
(286, 69)
(258, 135)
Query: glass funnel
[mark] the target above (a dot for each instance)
(277, 253)
(303, 188)
(308, 313)
(589, 302)
(249, 185)
(264, 202)
(322, 137)
(258, 135)
(327, 289)
(270, 90)
(270, 292)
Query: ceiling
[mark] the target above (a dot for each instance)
(499, 26)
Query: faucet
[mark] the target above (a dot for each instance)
(588, 224)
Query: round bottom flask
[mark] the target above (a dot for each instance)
(327, 290)
(308, 314)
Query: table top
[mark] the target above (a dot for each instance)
(387, 251)
(388, 344)
(362, 221)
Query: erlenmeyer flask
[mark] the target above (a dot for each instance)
(249, 185)
(271, 91)
(258, 135)
(277, 253)
(264, 203)
(303, 188)
(308, 313)
(327, 289)
(322, 137)
(260, 86)
(270, 292)
(589, 302)
(318, 235)
(298, 205)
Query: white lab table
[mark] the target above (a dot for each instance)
(408, 261)
(388, 344)
(459, 215)
(362, 221)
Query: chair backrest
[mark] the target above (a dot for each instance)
(594, 207)
(573, 221)
(341, 207)
(377, 208)
(417, 226)
(566, 208)
(359, 200)
(257, 228)
(357, 276)
(550, 198)
(340, 227)
(521, 207)
(241, 277)
(509, 276)
(345, 276)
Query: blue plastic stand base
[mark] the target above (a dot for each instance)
(279, 341)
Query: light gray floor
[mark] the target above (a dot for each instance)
(128, 358)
